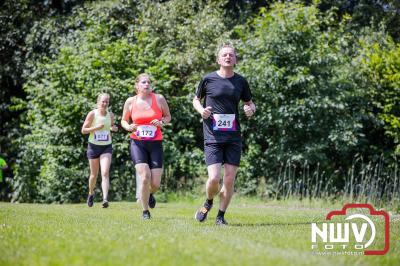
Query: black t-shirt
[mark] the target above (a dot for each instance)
(223, 95)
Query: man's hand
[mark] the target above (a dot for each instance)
(206, 112)
(248, 110)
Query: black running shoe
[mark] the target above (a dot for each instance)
(152, 201)
(90, 200)
(201, 215)
(220, 221)
(105, 204)
(146, 215)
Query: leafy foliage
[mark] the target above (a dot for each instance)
(311, 108)
(326, 92)
(104, 54)
(381, 68)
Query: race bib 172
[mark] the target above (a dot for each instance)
(146, 131)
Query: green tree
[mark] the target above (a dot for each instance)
(309, 104)
(102, 47)
(16, 20)
(367, 13)
(380, 67)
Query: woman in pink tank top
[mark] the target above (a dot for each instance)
(144, 115)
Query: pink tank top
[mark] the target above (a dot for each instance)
(143, 118)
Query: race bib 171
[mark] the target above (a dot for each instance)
(101, 135)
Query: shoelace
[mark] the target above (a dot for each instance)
(204, 210)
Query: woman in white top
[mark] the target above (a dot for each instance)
(99, 123)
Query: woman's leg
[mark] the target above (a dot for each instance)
(105, 162)
(94, 171)
(145, 174)
(138, 186)
(155, 179)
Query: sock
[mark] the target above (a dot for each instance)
(146, 211)
(210, 201)
(220, 213)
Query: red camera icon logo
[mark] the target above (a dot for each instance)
(337, 235)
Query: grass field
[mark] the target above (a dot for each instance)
(275, 233)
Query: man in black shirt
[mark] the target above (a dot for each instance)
(222, 90)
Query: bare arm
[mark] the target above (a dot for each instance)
(165, 110)
(166, 114)
(113, 126)
(86, 129)
(126, 116)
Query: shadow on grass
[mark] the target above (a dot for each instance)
(270, 224)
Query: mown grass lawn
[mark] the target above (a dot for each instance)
(259, 234)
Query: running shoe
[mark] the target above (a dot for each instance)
(220, 221)
(201, 215)
(90, 200)
(105, 204)
(152, 201)
(146, 215)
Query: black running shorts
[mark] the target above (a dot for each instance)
(227, 152)
(94, 151)
(146, 151)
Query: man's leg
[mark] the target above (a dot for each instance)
(212, 188)
(214, 158)
(212, 184)
(226, 192)
(228, 186)
(232, 154)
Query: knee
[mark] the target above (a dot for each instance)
(230, 175)
(214, 180)
(105, 175)
(229, 181)
(155, 185)
(145, 179)
(92, 177)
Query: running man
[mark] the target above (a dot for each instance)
(222, 90)
(99, 123)
(148, 112)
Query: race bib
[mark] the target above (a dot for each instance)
(224, 122)
(101, 135)
(146, 132)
